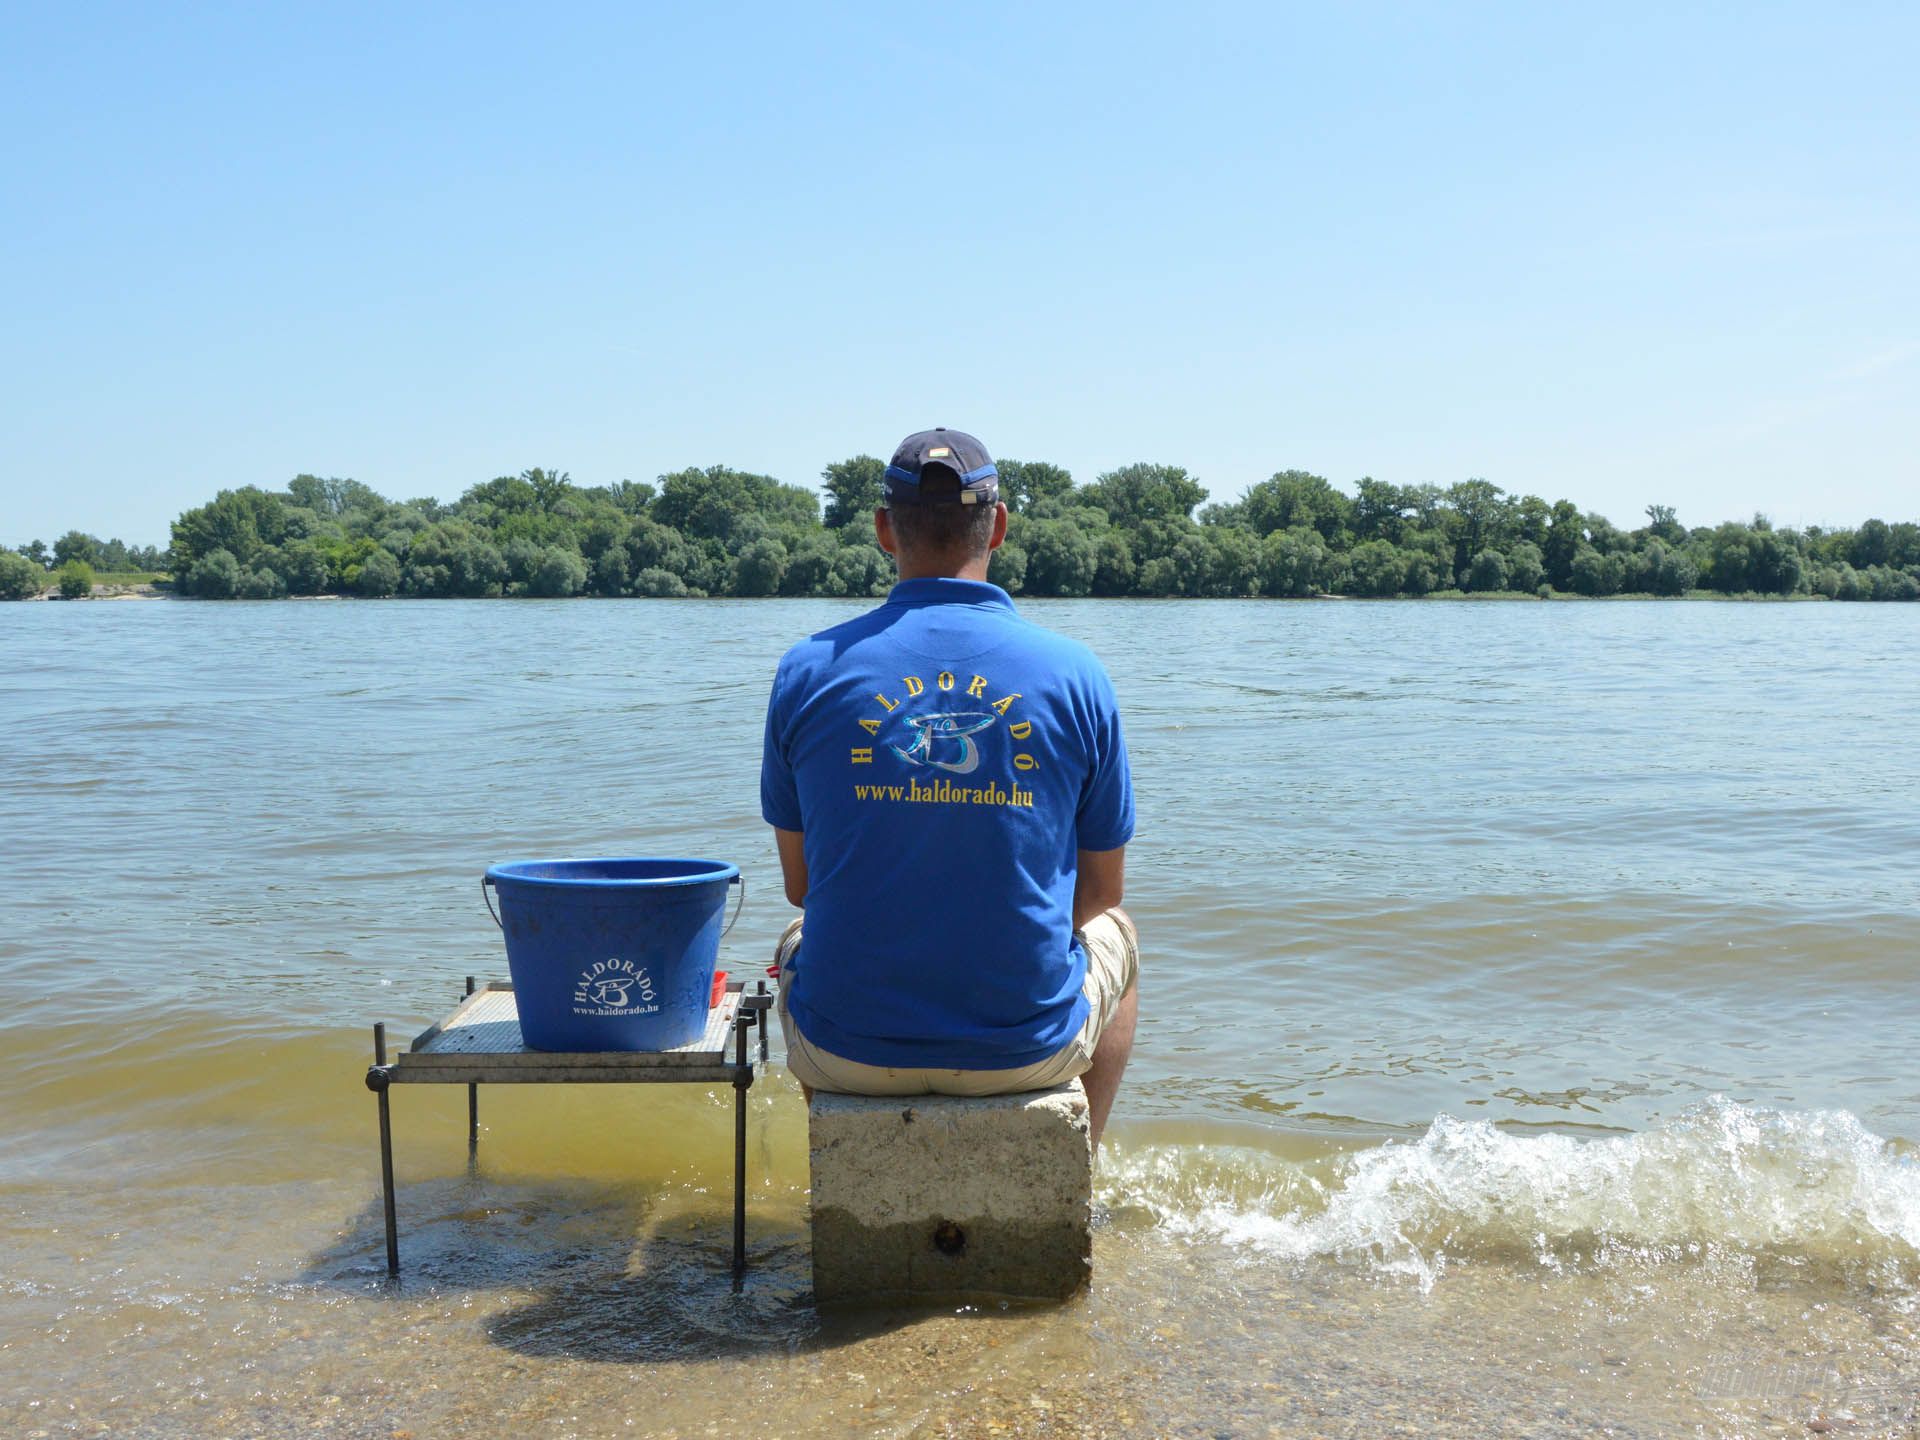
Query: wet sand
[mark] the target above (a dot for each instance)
(543, 1295)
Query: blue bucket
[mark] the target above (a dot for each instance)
(612, 954)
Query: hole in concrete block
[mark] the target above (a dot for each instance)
(949, 1238)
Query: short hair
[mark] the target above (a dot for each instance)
(948, 529)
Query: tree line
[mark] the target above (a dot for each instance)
(1141, 530)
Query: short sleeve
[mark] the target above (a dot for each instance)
(779, 796)
(1104, 820)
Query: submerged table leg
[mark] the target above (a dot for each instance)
(386, 1147)
(742, 1078)
(473, 1102)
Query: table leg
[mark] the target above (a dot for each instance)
(473, 1102)
(386, 1151)
(742, 1078)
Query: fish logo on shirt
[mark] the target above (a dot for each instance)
(937, 736)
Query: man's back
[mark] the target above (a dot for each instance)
(946, 761)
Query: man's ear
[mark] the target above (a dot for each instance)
(999, 525)
(883, 531)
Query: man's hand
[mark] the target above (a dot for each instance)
(793, 864)
(1099, 887)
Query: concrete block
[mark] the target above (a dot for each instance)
(933, 1195)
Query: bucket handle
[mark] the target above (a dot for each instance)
(739, 904)
(485, 881)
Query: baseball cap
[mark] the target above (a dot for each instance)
(952, 450)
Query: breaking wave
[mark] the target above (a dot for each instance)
(1813, 1187)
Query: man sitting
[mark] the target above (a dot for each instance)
(949, 791)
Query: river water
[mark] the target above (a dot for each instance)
(1527, 1040)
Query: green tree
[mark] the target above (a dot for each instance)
(1662, 525)
(332, 497)
(378, 574)
(862, 568)
(1525, 571)
(1891, 584)
(37, 552)
(1141, 492)
(453, 557)
(601, 531)
(1186, 569)
(652, 546)
(810, 566)
(1872, 545)
(1487, 571)
(560, 573)
(658, 583)
(501, 496)
(854, 488)
(1424, 573)
(521, 555)
(304, 568)
(1743, 558)
(1007, 568)
(1061, 559)
(20, 578)
(1233, 562)
(1295, 563)
(610, 576)
(1376, 567)
(710, 503)
(1566, 533)
(1661, 570)
(1529, 521)
(629, 497)
(240, 522)
(1292, 498)
(260, 583)
(344, 559)
(1903, 544)
(215, 576)
(1596, 574)
(86, 548)
(758, 569)
(1379, 510)
(1483, 511)
(1026, 483)
(1113, 571)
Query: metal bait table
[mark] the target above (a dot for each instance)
(479, 1044)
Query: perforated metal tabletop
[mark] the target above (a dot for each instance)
(480, 1043)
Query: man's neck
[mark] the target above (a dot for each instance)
(972, 570)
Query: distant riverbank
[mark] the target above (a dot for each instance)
(159, 592)
(1143, 531)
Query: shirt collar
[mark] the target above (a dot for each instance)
(941, 590)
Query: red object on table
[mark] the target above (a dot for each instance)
(719, 988)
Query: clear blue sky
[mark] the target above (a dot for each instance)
(1621, 254)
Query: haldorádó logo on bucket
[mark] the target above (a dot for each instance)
(614, 987)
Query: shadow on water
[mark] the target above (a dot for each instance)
(629, 1275)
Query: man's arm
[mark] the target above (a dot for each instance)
(793, 864)
(1099, 887)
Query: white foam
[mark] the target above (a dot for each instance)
(1720, 1176)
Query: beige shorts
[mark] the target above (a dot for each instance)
(1113, 967)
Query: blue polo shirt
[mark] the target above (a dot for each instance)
(946, 759)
